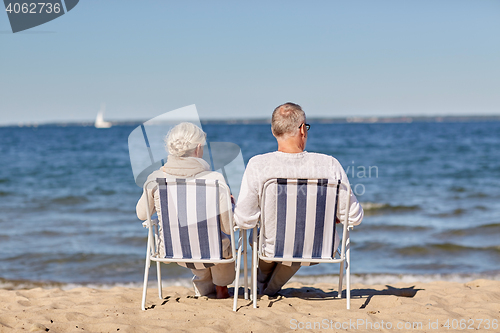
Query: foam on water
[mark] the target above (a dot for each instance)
(374, 279)
(365, 279)
(372, 208)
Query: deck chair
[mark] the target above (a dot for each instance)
(306, 230)
(187, 231)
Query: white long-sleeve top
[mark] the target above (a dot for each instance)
(277, 164)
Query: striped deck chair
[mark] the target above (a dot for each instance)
(188, 230)
(306, 232)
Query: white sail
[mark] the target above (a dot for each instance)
(99, 120)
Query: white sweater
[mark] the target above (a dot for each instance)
(277, 164)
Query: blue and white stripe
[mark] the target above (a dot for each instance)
(305, 220)
(190, 221)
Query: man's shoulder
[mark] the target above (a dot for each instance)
(325, 160)
(322, 158)
(261, 158)
(267, 157)
(318, 155)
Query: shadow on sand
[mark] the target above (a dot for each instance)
(316, 294)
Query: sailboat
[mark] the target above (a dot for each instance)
(99, 120)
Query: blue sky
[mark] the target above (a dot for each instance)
(236, 59)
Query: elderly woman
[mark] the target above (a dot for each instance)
(185, 143)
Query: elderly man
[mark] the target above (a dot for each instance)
(290, 161)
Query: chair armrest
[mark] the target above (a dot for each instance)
(153, 222)
(236, 228)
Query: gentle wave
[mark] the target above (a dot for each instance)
(70, 200)
(26, 284)
(100, 191)
(374, 208)
(490, 226)
(109, 210)
(380, 278)
(453, 213)
(458, 189)
(443, 248)
(478, 195)
(397, 227)
(486, 230)
(130, 241)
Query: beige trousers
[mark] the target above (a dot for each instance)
(205, 279)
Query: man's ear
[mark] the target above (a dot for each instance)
(303, 130)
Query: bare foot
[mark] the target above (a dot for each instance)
(222, 292)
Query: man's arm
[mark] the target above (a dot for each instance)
(247, 211)
(225, 210)
(355, 210)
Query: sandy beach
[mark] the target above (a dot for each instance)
(421, 307)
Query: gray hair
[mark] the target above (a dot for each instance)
(287, 119)
(183, 139)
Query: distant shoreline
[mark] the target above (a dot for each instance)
(257, 121)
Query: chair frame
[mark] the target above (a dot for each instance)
(344, 255)
(242, 247)
(152, 251)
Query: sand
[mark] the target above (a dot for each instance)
(418, 307)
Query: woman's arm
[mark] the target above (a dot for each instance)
(142, 208)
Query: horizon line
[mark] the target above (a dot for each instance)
(243, 121)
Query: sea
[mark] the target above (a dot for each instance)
(430, 192)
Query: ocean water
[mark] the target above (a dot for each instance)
(431, 194)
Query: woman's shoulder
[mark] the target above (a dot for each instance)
(156, 174)
(212, 175)
(153, 176)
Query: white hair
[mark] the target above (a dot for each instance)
(183, 139)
